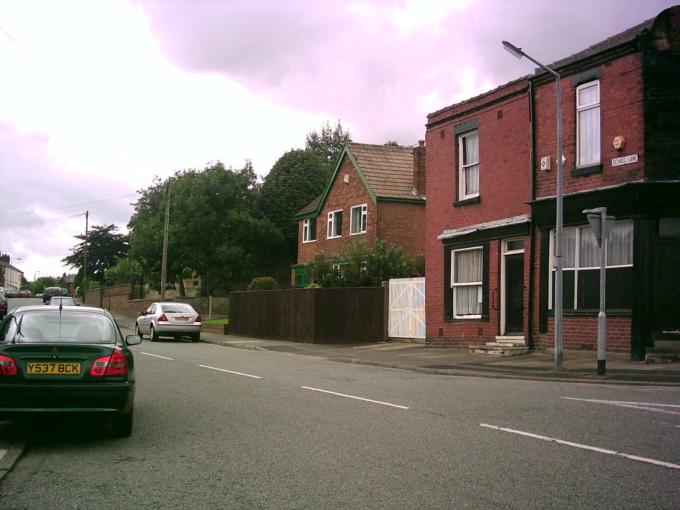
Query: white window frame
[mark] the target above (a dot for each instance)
(363, 219)
(581, 108)
(307, 231)
(331, 227)
(479, 284)
(577, 262)
(463, 166)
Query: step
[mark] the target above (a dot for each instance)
(510, 340)
(493, 350)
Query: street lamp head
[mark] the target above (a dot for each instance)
(512, 49)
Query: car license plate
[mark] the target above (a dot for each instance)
(53, 368)
(182, 319)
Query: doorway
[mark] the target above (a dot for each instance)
(512, 287)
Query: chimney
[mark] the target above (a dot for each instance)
(419, 176)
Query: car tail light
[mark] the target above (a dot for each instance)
(113, 365)
(198, 318)
(162, 318)
(7, 366)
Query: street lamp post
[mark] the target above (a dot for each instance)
(559, 240)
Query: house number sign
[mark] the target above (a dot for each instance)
(625, 160)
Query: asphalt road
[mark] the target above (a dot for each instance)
(230, 428)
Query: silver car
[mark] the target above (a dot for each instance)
(169, 319)
(62, 300)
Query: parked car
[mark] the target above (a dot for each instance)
(53, 291)
(62, 300)
(73, 360)
(10, 292)
(3, 307)
(25, 293)
(169, 319)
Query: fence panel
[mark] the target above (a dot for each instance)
(346, 315)
(407, 308)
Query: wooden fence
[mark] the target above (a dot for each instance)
(339, 315)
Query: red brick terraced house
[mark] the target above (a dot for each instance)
(491, 203)
(376, 192)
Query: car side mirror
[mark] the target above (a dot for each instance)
(133, 340)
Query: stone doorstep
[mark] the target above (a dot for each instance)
(510, 340)
(498, 350)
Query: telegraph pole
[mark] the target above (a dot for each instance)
(164, 262)
(87, 218)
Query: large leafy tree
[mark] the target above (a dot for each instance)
(104, 245)
(297, 178)
(215, 230)
(328, 143)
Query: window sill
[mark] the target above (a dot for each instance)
(357, 233)
(309, 242)
(593, 313)
(476, 318)
(334, 237)
(467, 201)
(587, 170)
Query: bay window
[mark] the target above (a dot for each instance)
(581, 264)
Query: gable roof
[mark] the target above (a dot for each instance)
(385, 170)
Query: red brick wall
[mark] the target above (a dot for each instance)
(621, 113)
(504, 163)
(403, 224)
(341, 196)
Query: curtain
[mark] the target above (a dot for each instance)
(467, 269)
(589, 252)
(471, 164)
(620, 244)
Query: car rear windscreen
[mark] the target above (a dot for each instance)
(55, 326)
(177, 308)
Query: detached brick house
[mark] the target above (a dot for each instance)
(376, 192)
(491, 206)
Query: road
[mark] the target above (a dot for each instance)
(217, 427)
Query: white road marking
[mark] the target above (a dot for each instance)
(644, 406)
(156, 356)
(356, 398)
(230, 372)
(584, 446)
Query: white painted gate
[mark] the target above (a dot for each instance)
(406, 317)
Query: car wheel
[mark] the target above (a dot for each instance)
(138, 332)
(196, 337)
(153, 335)
(122, 425)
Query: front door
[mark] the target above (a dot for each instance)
(513, 290)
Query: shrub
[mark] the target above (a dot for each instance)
(263, 283)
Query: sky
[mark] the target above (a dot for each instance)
(98, 97)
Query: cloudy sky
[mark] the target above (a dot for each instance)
(100, 96)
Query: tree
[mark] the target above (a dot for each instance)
(124, 271)
(329, 143)
(215, 229)
(297, 178)
(104, 244)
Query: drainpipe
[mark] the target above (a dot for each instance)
(532, 196)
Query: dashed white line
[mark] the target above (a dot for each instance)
(644, 406)
(156, 356)
(355, 398)
(584, 446)
(230, 372)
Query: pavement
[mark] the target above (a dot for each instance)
(578, 366)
